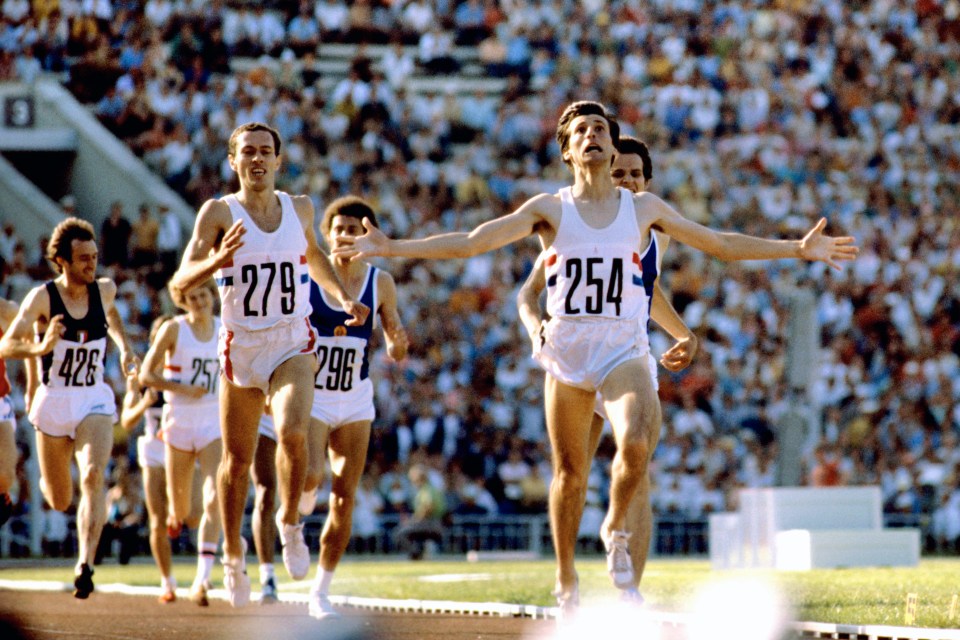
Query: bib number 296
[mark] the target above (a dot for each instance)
(335, 371)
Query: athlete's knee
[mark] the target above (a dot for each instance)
(293, 440)
(341, 503)
(58, 500)
(569, 480)
(235, 463)
(266, 499)
(634, 453)
(312, 480)
(91, 476)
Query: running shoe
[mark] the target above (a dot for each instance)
(296, 555)
(618, 559)
(632, 597)
(236, 582)
(174, 528)
(83, 583)
(268, 592)
(320, 607)
(167, 597)
(568, 602)
(308, 502)
(198, 594)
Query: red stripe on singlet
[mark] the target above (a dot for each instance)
(227, 365)
(313, 337)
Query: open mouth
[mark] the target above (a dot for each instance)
(259, 172)
(593, 147)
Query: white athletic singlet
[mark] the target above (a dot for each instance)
(267, 281)
(194, 363)
(599, 273)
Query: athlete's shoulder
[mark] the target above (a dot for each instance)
(215, 212)
(303, 205)
(108, 288)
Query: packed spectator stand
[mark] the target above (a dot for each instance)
(761, 117)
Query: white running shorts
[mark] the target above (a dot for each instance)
(190, 427)
(58, 412)
(337, 408)
(249, 358)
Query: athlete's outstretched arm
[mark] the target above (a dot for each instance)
(321, 271)
(815, 246)
(528, 301)
(680, 355)
(214, 241)
(128, 359)
(487, 237)
(393, 332)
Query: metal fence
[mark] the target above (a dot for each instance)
(673, 535)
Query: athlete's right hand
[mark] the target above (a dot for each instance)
(231, 241)
(52, 335)
(193, 391)
(358, 310)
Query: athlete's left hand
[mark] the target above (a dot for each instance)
(816, 246)
(372, 243)
(680, 355)
(358, 310)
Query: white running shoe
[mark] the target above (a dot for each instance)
(308, 502)
(568, 603)
(618, 559)
(632, 597)
(296, 555)
(236, 582)
(320, 607)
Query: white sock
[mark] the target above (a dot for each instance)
(323, 580)
(266, 572)
(168, 583)
(205, 557)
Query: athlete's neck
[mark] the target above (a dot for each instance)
(592, 185)
(75, 289)
(351, 273)
(258, 204)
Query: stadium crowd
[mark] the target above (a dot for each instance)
(761, 116)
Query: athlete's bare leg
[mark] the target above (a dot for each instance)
(639, 513)
(291, 398)
(568, 414)
(633, 408)
(348, 456)
(180, 466)
(265, 505)
(93, 445)
(56, 482)
(209, 457)
(316, 454)
(155, 494)
(8, 455)
(240, 411)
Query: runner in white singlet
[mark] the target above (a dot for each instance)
(593, 289)
(182, 363)
(251, 242)
(631, 169)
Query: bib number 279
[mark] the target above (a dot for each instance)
(257, 300)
